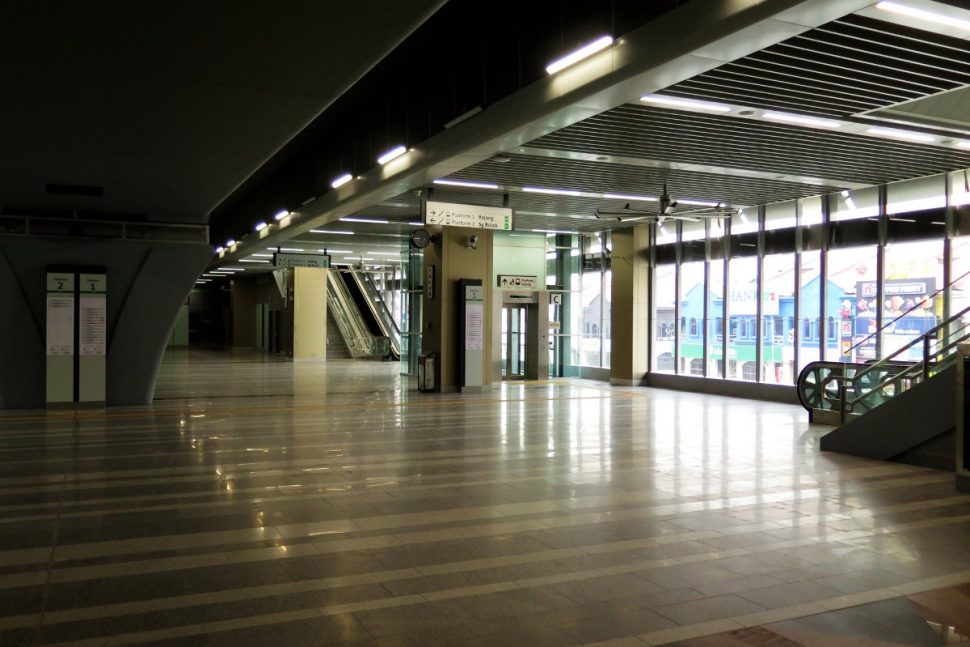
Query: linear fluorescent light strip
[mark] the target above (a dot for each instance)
(787, 117)
(922, 14)
(467, 183)
(373, 222)
(906, 135)
(416, 223)
(624, 196)
(963, 145)
(342, 180)
(554, 231)
(539, 189)
(262, 255)
(394, 153)
(690, 104)
(331, 231)
(336, 251)
(292, 249)
(253, 260)
(699, 203)
(576, 56)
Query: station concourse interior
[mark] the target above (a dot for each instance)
(440, 322)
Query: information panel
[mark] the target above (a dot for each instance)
(92, 336)
(449, 214)
(60, 337)
(472, 334)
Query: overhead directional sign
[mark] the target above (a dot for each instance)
(282, 259)
(449, 214)
(514, 281)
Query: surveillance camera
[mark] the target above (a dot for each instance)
(473, 242)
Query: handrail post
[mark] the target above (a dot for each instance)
(926, 357)
(842, 399)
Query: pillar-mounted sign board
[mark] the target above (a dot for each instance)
(92, 336)
(472, 216)
(76, 335)
(472, 334)
(60, 337)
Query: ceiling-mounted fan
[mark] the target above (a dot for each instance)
(666, 212)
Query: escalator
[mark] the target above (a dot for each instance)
(895, 408)
(360, 342)
(372, 308)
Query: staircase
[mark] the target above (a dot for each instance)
(893, 408)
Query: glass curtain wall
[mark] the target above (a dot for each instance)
(832, 269)
(596, 284)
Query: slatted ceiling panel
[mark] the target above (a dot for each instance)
(672, 135)
(851, 65)
(600, 177)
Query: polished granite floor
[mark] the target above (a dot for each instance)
(262, 502)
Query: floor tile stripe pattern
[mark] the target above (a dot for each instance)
(264, 502)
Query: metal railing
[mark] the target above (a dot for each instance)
(852, 389)
(360, 342)
(380, 310)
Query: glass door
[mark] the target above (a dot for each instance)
(513, 342)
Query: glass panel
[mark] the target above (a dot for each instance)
(959, 188)
(778, 319)
(591, 285)
(692, 230)
(691, 339)
(809, 309)
(780, 215)
(861, 203)
(743, 312)
(715, 319)
(607, 309)
(666, 233)
(960, 278)
(913, 272)
(852, 279)
(664, 325)
(745, 221)
(811, 211)
(916, 195)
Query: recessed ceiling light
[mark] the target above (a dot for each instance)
(342, 180)
(281, 214)
(539, 189)
(331, 231)
(260, 226)
(220, 249)
(922, 14)
(907, 135)
(787, 117)
(394, 153)
(368, 220)
(230, 242)
(467, 183)
(626, 196)
(691, 104)
(576, 56)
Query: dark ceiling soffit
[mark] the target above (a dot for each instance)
(714, 33)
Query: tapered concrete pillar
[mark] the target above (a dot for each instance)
(630, 314)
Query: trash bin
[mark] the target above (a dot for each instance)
(426, 372)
